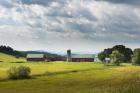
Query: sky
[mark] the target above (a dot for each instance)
(84, 26)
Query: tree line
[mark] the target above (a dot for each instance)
(11, 51)
(119, 54)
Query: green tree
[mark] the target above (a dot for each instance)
(126, 52)
(136, 57)
(102, 56)
(116, 57)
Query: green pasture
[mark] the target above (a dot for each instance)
(64, 77)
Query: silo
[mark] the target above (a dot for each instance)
(68, 55)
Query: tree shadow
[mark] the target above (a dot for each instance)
(18, 62)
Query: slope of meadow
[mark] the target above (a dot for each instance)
(9, 58)
(63, 77)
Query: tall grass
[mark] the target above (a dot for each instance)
(73, 78)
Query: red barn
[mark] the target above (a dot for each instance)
(83, 58)
(36, 57)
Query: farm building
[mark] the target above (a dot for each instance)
(36, 57)
(57, 59)
(80, 57)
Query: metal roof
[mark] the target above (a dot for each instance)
(35, 55)
(83, 56)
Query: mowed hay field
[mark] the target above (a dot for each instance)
(64, 77)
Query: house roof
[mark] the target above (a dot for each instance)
(35, 55)
(83, 56)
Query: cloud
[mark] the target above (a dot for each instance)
(57, 25)
(129, 2)
(43, 2)
(5, 3)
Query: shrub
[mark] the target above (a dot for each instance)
(21, 72)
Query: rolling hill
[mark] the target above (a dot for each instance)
(9, 58)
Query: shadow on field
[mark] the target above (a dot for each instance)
(18, 62)
(112, 65)
(61, 72)
(54, 73)
(66, 72)
(7, 80)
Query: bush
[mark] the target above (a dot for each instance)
(20, 72)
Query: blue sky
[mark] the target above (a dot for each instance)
(86, 26)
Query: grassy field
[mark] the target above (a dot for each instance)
(63, 77)
(9, 58)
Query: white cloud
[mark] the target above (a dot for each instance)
(82, 25)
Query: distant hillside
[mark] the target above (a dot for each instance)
(10, 51)
(50, 55)
(9, 58)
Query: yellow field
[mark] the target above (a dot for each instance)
(64, 77)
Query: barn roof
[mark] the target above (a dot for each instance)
(83, 56)
(35, 55)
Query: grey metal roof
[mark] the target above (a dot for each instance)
(83, 56)
(35, 55)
